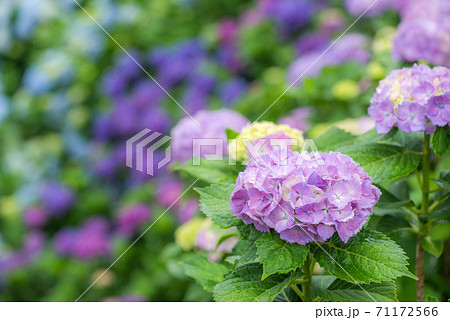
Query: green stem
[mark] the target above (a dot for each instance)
(425, 173)
(296, 290)
(425, 209)
(307, 275)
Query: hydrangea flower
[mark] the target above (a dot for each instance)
(305, 196)
(212, 125)
(260, 136)
(416, 99)
(90, 241)
(57, 198)
(131, 218)
(424, 32)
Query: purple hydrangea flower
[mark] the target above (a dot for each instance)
(57, 198)
(414, 99)
(317, 194)
(188, 210)
(232, 90)
(297, 119)
(169, 192)
(351, 47)
(131, 218)
(35, 217)
(290, 15)
(90, 241)
(358, 7)
(424, 32)
(212, 125)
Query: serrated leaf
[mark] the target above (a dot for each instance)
(205, 272)
(332, 139)
(215, 203)
(367, 257)
(440, 140)
(249, 253)
(342, 291)
(383, 162)
(279, 256)
(211, 171)
(432, 246)
(245, 285)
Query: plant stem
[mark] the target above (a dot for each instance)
(425, 173)
(307, 275)
(425, 208)
(420, 285)
(296, 290)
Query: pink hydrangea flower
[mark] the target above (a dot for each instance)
(317, 194)
(414, 99)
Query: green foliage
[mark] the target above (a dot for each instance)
(433, 246)
(333, 139)
(440, 140)
(205, 272)
(383, 162)
(249, 254)
(367, 257)
(215, 203)
(210, 171)
(279, 256)
(442, 211)
(343, 291)
(245, 285)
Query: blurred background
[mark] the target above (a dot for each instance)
(70, 98)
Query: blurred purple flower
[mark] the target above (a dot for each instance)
(169, 191)
(212, 125)
(358, 7)
(131, 218)
(35, 217)
(232, 90)
(188, 210)
(298, 118)
(57, 198)
(86, 243)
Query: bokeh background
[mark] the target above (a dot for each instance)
(70, 98)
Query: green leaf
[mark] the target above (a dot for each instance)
(444, 180)
(392, 223)
(332, 139)
(245, 285)
(390, 201)
(433, 246)
(383, 162)
(279, 256)
(231, 134)
(367, 257)
(205, 272)
(342, 291)
(429, 298)
(250, 252)
(442, 211)
(440, 140)
(211, 171)
(215, 203)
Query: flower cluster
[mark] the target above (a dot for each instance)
(305, 196)
(260, 135)
(424, 32)
(211, 125)
(416, 99)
